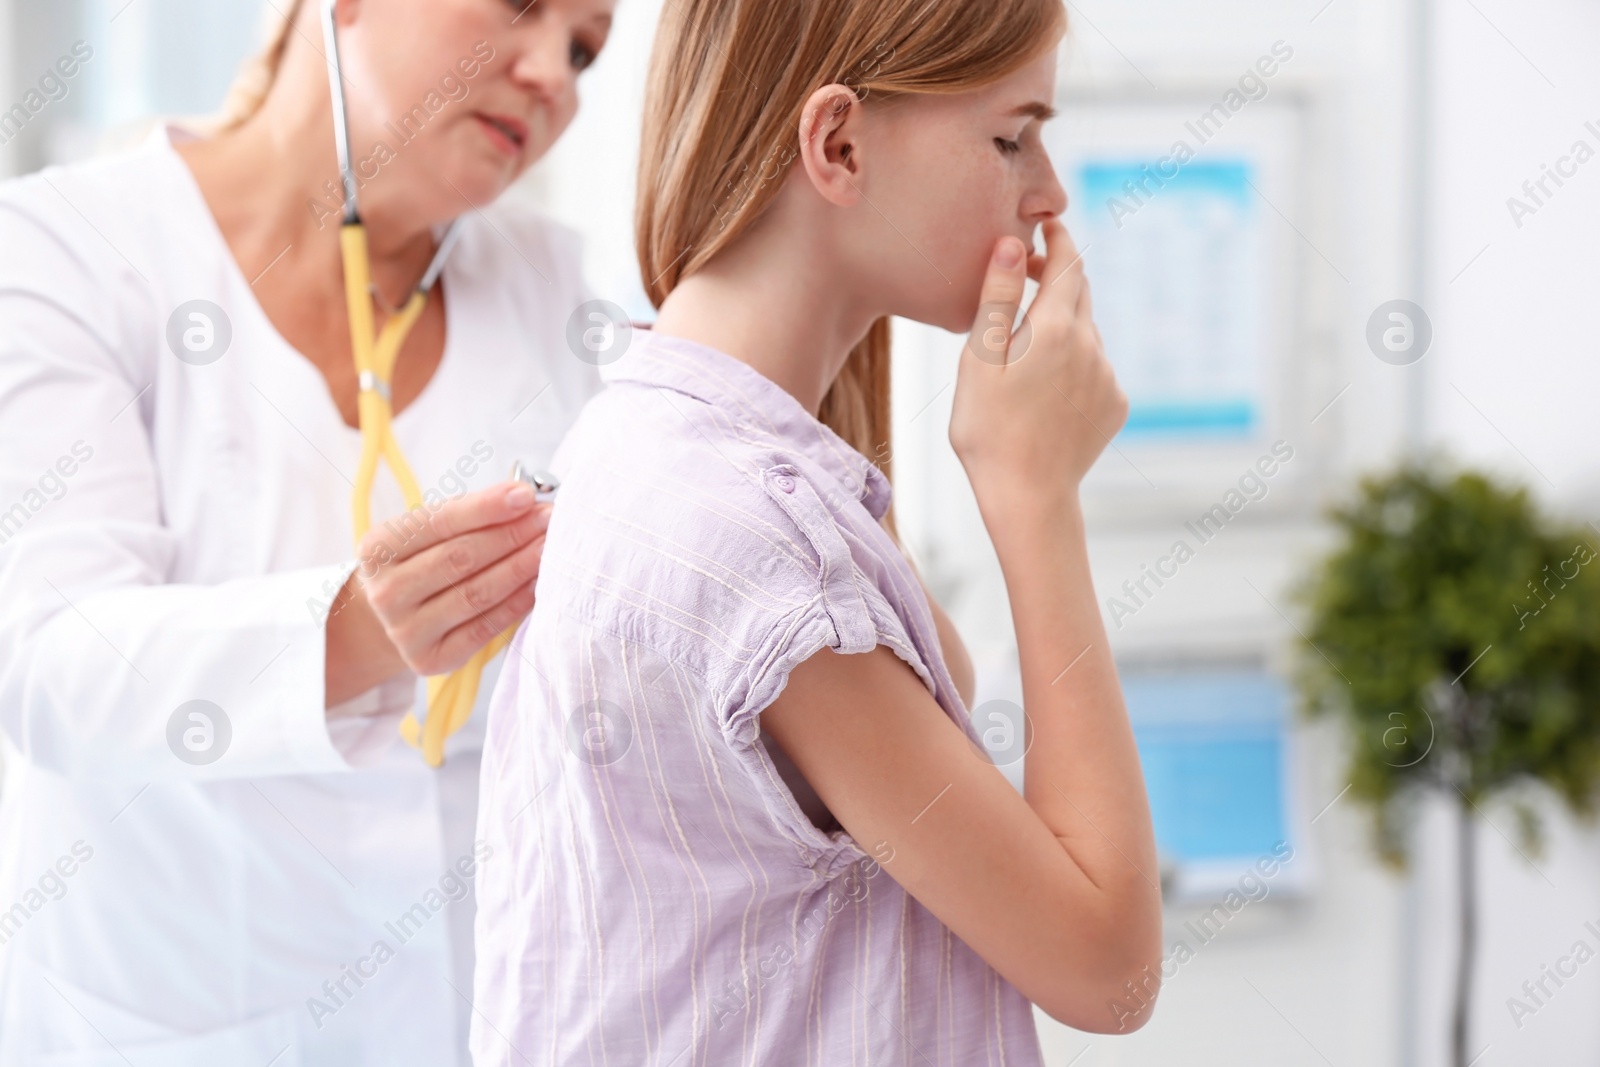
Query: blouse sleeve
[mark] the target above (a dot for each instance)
(845, 612)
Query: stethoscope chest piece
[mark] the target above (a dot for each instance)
(544, 483)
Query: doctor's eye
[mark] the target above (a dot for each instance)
(582, 55)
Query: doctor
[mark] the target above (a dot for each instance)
(214, 847)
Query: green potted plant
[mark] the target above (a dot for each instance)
(1455, 633)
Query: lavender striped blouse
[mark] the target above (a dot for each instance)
(655, 895)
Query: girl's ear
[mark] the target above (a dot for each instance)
(830, 144)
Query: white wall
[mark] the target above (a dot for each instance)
(1511, 387)
(7, 60)
(1518, 326)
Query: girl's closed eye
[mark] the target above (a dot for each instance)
(1008, 148)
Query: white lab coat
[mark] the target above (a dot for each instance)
(168, 527)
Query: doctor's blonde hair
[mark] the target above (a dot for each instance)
(258, 73)
(727, 82)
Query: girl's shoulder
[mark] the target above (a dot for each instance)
(690, 528)
(665, 483)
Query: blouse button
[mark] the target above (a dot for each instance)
(785, 483)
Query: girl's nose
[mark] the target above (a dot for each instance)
(1051, 196)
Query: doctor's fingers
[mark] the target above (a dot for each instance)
(418, 530)
(459, 644)
(398, 586)
(430, 627)
(468, 629)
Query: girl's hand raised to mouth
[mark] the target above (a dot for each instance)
(1036, 404)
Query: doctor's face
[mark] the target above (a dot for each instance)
(458, 97)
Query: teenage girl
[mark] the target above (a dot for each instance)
(739, 811)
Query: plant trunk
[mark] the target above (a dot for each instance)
(1466, 874)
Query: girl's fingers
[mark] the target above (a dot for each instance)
(1036, 263)
(1062, 277)
(999, 300)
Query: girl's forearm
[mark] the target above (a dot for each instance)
(1082, 772)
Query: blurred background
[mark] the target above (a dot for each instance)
(1358, 256)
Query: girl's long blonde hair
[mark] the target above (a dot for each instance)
(727, 82)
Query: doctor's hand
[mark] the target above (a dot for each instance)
(432, 590)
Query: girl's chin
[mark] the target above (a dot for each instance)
(952, 320)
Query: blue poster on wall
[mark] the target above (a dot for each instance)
(1173, 253)
(1211, 745)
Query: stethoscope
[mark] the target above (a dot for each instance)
(450, 697)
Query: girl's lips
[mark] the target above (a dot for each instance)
(507, 133)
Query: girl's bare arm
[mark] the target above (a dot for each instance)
(1056, 888)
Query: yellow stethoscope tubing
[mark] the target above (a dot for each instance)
(450, 697)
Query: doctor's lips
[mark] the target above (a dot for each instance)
(509, 133)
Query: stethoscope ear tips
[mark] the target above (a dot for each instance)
(544, 483)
